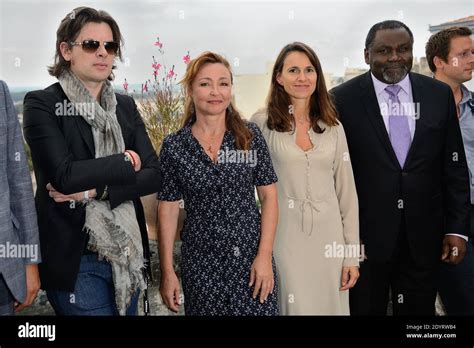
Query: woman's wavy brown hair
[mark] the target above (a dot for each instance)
(279, 101)
(233, 121)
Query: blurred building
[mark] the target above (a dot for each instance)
(350, 73)
(462, 22)
(251, 90)
(420, 66)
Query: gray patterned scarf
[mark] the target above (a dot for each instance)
(113, 234)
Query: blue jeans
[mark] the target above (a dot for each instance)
(456, 284)
(94, 292)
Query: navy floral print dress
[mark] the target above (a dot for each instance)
(221, 232)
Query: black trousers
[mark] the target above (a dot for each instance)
(413, 286)
(6, 298)
(456, 282)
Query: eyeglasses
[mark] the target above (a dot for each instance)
(91, 46)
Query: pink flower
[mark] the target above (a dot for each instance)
(155, 73)
(156, 66)
(125, 85)
(171, 73)
(158, 43)
(145, 87)
(186, 58)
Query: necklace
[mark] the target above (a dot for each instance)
(209, 145)
(209, 148)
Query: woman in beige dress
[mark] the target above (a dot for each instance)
(317, 240)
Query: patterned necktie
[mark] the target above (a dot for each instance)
(399, 131)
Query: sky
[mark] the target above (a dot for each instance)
(248, 33)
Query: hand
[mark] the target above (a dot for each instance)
(170, 290)
(136, 158)
(349, 277)
(33, 285)
(261, 275)
(454, 249)
(60, 197)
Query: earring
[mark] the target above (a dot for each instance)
(192, 108)
(229, 109)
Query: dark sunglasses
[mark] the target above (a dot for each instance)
(91, 46)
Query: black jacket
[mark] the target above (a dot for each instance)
(62, 150)
(431, 193)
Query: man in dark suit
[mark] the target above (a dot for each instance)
(411, 176)
(93, 160)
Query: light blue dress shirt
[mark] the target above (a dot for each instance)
(466, 121)
(405, 97)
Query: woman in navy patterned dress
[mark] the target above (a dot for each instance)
(214, 162)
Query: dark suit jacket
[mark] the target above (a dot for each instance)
(62, 149)
(431, 193)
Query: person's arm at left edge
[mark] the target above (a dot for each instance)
(148, 179)
(456, 190)
(22, 201)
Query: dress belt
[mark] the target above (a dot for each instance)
(312, 205)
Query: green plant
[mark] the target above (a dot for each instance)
(161, 102)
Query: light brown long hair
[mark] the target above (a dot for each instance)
(278, 101)
(233, 121)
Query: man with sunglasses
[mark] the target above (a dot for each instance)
(450, 55)
(93, 160)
